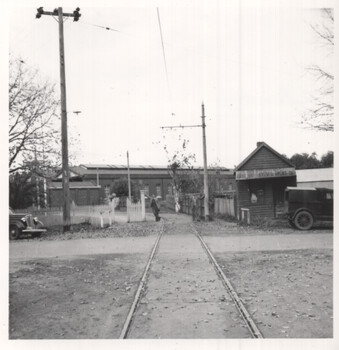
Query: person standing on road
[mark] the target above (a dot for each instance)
(155, 207)
(196, 206)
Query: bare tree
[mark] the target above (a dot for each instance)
(320, 115)
(34, 135)
(180, 167)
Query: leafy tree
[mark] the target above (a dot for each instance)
(320, 115)
(190, 182)
(327, 160)
(22, 192)
(306, 161)
(120, 188)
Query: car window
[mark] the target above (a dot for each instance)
(328, 195)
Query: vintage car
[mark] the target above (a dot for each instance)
(304, 206)
(22, 224)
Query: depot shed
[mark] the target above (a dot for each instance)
(81, 193)
(261, 181)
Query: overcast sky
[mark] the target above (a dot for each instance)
(246, 63)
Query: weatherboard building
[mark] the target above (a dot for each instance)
(261, 180)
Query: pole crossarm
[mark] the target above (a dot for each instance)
(180, 126)
(75, 14)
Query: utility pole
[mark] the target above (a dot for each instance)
(36, 176)
(203, 126)
(43, 164)
(64, 139)
(129, 179)
(206, 198)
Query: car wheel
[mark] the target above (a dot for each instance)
(14, 232)
(303, 220)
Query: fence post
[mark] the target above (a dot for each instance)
(128, 209)
(115, 203)
(247, 211)
(143, 209)
(101, 220)
(73, 212)
(110, 213)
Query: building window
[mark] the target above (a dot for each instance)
(169, 189)
(158, 189)
(146, 189)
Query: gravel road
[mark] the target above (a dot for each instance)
(81, 286)
(184, 297)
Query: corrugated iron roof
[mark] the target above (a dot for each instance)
(84, 170)
(119, 166)
(73, 184)
(95, 167)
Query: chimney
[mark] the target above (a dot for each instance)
(259, 143)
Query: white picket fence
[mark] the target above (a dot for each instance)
(96, 215)
(136, 211)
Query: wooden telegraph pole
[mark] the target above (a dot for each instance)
(203, 126)
(64, 139)
(129, 179)
(206, 198)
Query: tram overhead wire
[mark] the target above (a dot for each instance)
(165, 63)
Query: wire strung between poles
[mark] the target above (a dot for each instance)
(165, 63)
(99, 26)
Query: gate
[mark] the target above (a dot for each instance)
(136, 211)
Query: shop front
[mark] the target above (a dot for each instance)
(261, 181)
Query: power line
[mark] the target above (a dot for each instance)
(165, 63)
(180, 126)
(99, 26)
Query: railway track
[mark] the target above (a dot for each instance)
(143, 285)
(237, 301)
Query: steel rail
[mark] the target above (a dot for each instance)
(142, 283)
(236, 299)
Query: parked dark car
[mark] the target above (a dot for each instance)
(304, 206)
(24, 223)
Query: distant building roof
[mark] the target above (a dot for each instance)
(105, 170)
(122, 167)
(74, 184)
(313, 175)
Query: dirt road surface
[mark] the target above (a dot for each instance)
(55, 249)
(184, 297)
(83, 288)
